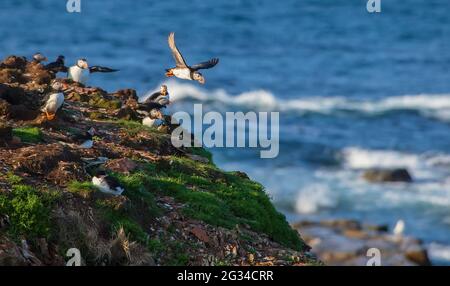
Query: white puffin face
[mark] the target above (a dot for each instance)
(57, 86)
(199, 77)
(82, 63)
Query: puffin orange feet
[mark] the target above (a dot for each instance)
(49, 116)
(169, 73)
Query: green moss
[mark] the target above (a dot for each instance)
(28, 134)
(28, 210)
(99, 101)
(120, 218)
(142, 208)
(201, 152)
(13, 179)
(83, 189)
(134, 127)
(219, 198)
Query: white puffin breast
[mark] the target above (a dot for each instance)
(182, 73)
(147, 121)
(54, 102)
(78, 74)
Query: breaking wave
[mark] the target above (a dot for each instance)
(435, 106)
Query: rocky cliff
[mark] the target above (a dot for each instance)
(178, 208)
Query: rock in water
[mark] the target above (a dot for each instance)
(387, 175)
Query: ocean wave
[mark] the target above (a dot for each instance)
(315, 197)
(435, 106)
(438, 251)
(360, 158)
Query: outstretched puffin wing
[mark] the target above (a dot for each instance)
(152, 97)
(179, 60)
(206, 65)
(150, 105)
(101, 69)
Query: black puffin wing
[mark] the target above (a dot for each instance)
(63, 68)
(179, 60)
(152, 105)
(93, 69)
(112, 182)
(153, 97)
(206, 65)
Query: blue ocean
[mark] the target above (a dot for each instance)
(354, 90)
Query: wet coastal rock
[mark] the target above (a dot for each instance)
(346, 242)
(387, 175)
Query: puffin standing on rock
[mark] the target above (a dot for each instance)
(107, 184)
(81, 71)
(152, 112)
(182, 70)
(160, 97)
(84, 140)
(38, 58)
(57, 66)
(53, 101)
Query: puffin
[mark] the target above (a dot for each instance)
(107, 184)
(84, 139)
(81, 71)
(53, 101)
(153, 116)
(182, 70)
(57, 66)
(38, 58)
(160, 97)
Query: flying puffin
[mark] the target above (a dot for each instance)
(182, 70)
(57, 66)
(84, 139)
(53, 101)
(38, 58)
(160, 97)
(80, 72)
(107, 184)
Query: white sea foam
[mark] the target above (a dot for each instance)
(439, 252)
(430, 105)
(314, 197)
(357, 158)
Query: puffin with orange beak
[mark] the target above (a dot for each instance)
(81, 71)
(53, 101)
(182, 70)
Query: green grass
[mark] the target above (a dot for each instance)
(141, 210)
(83, 189)
(28, 134)
(217, 198)
(28, 210)
(134, 127)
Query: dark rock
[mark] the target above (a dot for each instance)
(22, 112)
(66, 172)
(124, 165)
(126, 94)
(42, 159)
(14, 62)
(387, 175)
(127, 113)
(4, 108)
(5, 133)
